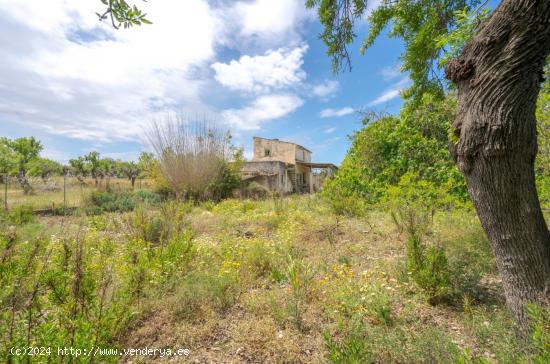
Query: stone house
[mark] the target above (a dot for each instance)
(285, 167)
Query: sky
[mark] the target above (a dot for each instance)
(256, 67)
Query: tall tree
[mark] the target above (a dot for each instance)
(131, 170)
(498, 75)
(7, 157)
(44, 168)
(78, 168)
(26, 150)
(93, 165)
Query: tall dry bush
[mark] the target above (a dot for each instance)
(191, 154)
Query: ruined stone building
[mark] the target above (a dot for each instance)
(285, 167)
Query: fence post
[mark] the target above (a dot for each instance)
(6, 191)
(64, 192)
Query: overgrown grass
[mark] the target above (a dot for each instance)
(275, 280)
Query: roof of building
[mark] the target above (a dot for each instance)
(282, 141)
(318, 165)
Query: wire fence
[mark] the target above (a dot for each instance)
(61, 191)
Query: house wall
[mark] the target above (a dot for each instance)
(278, 151)
(302, 155)
(271, 174)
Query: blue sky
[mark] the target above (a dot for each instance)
(256, 67)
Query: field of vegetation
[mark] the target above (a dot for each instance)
(278, 280)
(429, 245)
(57, 192)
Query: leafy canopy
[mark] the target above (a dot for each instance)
(44, 168)
(7, 156)
(421, 24)
(389, 147)
(25, 151)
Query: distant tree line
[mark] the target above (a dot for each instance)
(21, 158)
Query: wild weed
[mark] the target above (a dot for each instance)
(299, 275)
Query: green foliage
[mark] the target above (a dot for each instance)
(147, 165)
(156, 227)
(540, 335)
(429, 269)
(18, 154)
(44, 168)
(412, 204)
(420, 24)
(104, 201)
(389, 147)
(343, 203)
(299, 275)
(130, 170)
(352, 349)
(78, 167)
(360, 343)
(26, 150)
(93, 164)
(21, 215)
(467, 20)
(7, 156)
(121, 13)
(256, 190)
(542, 163)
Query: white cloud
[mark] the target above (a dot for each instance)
(65, 72)
(330, 130)
(276, 69)
(330, 113)
(262, 109)
(391, 93)
(326, 89)
(391, 72)
(269, 17)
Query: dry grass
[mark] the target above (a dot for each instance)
(250, 282)
(50, 193)
(356, 276)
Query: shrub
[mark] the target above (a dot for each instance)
(412, 203)
(157, 227)
(147, 197)
(299, 275)
(103, 201)
(345, 205)
(429, 269)
(256, 190)
(388, 147)
(21, 215)
(194, 158)
(260, 259)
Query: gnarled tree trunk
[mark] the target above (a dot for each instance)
(498, 76)
(24, 181)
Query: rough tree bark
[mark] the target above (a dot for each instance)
(24, 181)
(498, 76)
